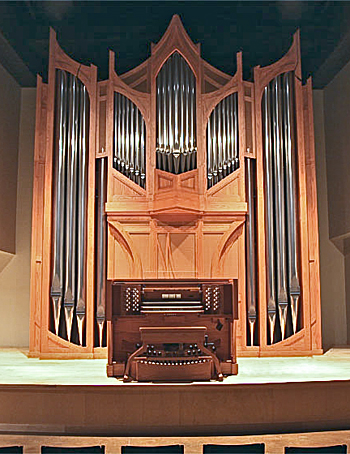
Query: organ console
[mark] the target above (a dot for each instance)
(156, 325)
(158, 187)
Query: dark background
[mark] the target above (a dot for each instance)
(263, 30)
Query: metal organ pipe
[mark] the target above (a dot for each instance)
(183, 156)
(215, 147)
(222, 140)
(235, 162)
(269, 217)
(163, 107)
(193, 148)
(159, 122)
(123, 133)
(187, 113)
(280, 201)
(250, 244)
(291, 196)
(219, 129)
(71, 228)
(101, 276)
(282, 296)
(176, 116)
(82, 208)
(129, 140)
(137, 155)
(132, 143)
(70, 203)
(210, 152)
(57, 280)
(127, 137)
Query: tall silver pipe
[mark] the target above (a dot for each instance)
(163, 75)
(170, 108)
(70, 224)
(182, 104)
(163, 79)
(183, 151)
(82, 207)
(137, 148)
(177, 115)
(176, 93)
(143, 152)
(219, 134)
(235, 164)
(132, 142)
(160, 140)
(57, 279)
(291, 196)
(209, 153)
(117, 128)
(122, 101)
(215, 148)
(224, 137)
(193, 122)
(282, 296)
(230, 133)
(176, 89)
(168, 117)
(101, 246)
(127, 136)
(250, 242)
(187, 110)
(222, 140)
(129, 141)
(116, 159)
(269, 217)
(159, 149)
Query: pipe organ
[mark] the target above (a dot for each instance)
(222, 140)
(174, 172)
(176, 116)
(129, 140)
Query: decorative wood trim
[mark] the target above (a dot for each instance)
(312, 213)
(303, 215)
(126, 242)
(229, 237)
(37, 218)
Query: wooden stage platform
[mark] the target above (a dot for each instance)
(269, 395)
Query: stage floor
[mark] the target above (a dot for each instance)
(17, 369)
(75, 397)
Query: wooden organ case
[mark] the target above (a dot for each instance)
(174, 173)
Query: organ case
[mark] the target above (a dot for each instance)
(190, 174)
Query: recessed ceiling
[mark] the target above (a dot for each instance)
(86, 30)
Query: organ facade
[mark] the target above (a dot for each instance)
(175, 171)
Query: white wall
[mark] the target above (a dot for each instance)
(10, 94)
(332, 263)
(15, 277)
